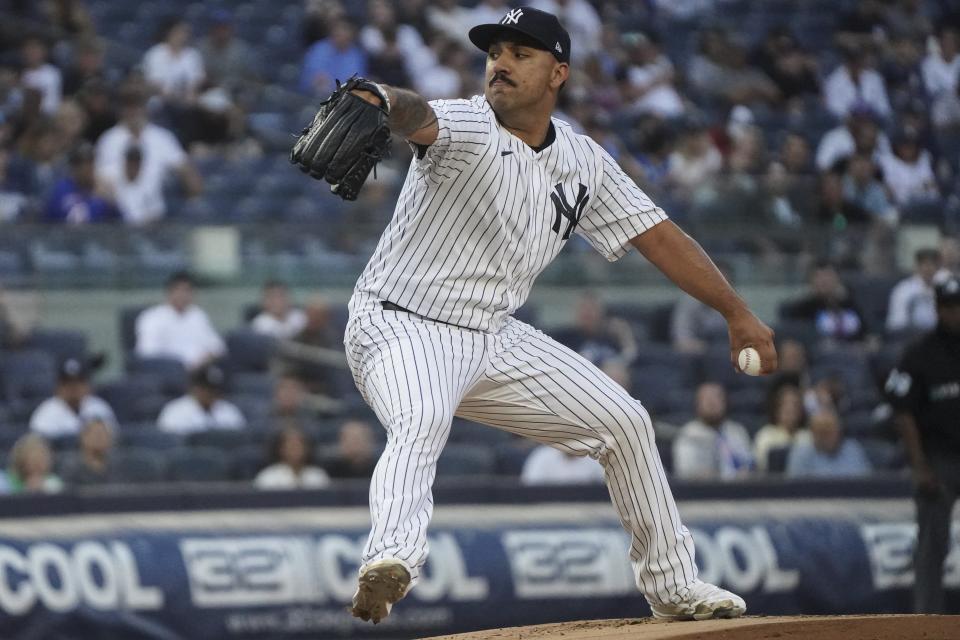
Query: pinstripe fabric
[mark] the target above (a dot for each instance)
(481, 214)
(418, 374)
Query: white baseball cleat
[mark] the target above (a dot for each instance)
(702, 601)
(381, 584)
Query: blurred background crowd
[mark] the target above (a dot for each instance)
(812, 145)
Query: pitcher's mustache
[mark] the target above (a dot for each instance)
(499, 76)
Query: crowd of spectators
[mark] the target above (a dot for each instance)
(793, 115)
(814, 118)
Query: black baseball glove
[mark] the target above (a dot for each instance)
(346, 139)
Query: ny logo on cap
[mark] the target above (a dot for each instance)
(512, 17)
(558, 48)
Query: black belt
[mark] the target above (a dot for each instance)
(389, 306)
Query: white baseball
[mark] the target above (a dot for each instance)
(749, 361)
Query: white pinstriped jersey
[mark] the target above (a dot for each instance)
(482, 214)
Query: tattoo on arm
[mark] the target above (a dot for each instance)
(409, 112)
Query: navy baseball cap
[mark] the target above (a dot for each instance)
(947, 291)
(539, 26)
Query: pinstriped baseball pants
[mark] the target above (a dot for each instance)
(417, 375)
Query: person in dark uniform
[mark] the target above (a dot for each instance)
(924, 390)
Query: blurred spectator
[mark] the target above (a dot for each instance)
(834, 208)
(862, 25)
(787, 420)
(389, 64)
(98, 106)
(488, 12)
(827, 306)
(859, 131)
(581, 21)
(75, 198)
(792, 70)
(178, 328)
(853, 82)
(290, 399)
(203, 407)
(228, 61)
(382, 19)
(68, 18)
(546, 465)
(37, 162)
(941, 67)
(320, 330)
(862, 187)
(72, 405)
(160, 153)
(790, 182)
(94, 465)
(356, 454)
(174, 69)
(13, 201)
(908, 19)
(912, 307)
(655, 144)
(290, 454)
(70, 122)
(452, 20)
(597, 336)
(446, 78)
(949, 255)
(826, 453)
(278, 318)
(30, 469)
(336, 57)
(695, 161)
(900, 67)
(40, 75)
(792, 363)
(694, 325)
(711, 445)
(647, 79)
(87, 66)
(135, 192)
(319, 17)
(14, 327)
(721, 71)
(908, 171)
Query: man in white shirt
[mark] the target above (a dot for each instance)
(160, 151)
(203, 408)
(73, 404)
(854, 82)
(178, 328)
(41, 75)
(547, 465)
(279, 318)
(841, 141)
(912, 306)
(941, 69)
(712, 445)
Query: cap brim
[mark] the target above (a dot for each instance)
(483, 35)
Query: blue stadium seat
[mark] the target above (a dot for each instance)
(127, 326)
(468, 432)
(133, 398)
(139, 465)
(197, 464)
(246, 462)
(148, 437)
(510, 458)
(466, 460)
(28, 377)
(883, 454)
(257, 385)
(59, 343)
(170, 373)
(249, 351)
(222, 439)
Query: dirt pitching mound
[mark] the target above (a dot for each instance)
(897, 627)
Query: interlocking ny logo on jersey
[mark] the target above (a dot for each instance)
(512, 16)
(564, 210)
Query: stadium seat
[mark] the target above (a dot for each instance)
(170, 374)
(883, 455)
(28, 377)
(246, 461)
(249, 351)
(197, 464)
(468, 432)
(127, 324)
(222, 439)
(510, 458)
(777, 459)
(133, 398)
(59, 343)
(466, 460)
(258, 385)
(139, 465)
(148, 437)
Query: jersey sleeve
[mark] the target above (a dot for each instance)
(620, 212)
(463, 131)
(905, 386)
